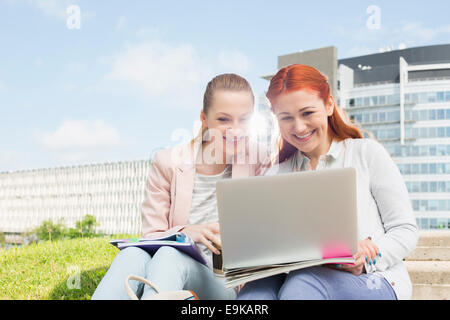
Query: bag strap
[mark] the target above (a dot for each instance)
(130, 292)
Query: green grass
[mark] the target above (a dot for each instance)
(52, 270)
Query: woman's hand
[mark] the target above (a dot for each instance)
(367, 252)
(207, 234)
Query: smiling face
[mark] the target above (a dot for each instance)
(303, 121)
(228, 119)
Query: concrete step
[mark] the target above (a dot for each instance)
(431, 292)
(438, 238)
(430, 254)
(429, 272)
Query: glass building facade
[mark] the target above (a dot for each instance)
(402, 99)
(112, 192)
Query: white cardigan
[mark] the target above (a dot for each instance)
(384, 208)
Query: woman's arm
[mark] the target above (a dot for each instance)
(394, 205)
(156, 205)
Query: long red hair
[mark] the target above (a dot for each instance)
(299, 77)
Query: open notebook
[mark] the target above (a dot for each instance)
(177, 240)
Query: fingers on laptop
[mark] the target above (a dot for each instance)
(211, 241)
(371, 251)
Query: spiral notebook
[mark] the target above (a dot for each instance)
(178, 240)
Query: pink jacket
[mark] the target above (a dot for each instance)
(169, 186)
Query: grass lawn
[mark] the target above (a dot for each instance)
(55, 270)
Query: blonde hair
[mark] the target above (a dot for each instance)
(225, 82)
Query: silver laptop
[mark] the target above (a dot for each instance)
(286, 218)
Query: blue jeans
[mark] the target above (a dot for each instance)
(168, 269)
(318, 283)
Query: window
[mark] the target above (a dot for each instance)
(433, 205)
(423, 97)
(407, 115)
(390, 99)
(447, 96)
(432, 114)
(423, 205)
(441, 114)
(440, 96)
(407, 168)
(366, 101)
(442, 205)
(447, 131)
(433, 168)
(415, 151)
(414, 97)
(375, 117)
(423, 132)
(432, 132)
(441, 132)
(433, 150)
(431, 96)
(382, 100)
(359, 118)
(424, 168)
(425, 223)
(415, 168)
(359, 102)
(382, 116)
(441, 150)
(433, 186)
(423, 115)
(441, 186)
(447, 114)
(374, 100)
(367, 118)
(424, 186)
(351, 102)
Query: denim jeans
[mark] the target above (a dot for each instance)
(168, 269)
(318, 283)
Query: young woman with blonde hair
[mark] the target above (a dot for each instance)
(180, 196)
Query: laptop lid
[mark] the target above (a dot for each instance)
(288, 217)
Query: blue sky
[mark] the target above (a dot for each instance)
(132, 76)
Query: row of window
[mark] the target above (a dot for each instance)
(424, 168)
(427, 133)
(427, 97)
(101, 172)
(433, 223)
(430, 205)
(394, 116)
(374, 117)
(428, 114)
(428, 186)
(418, 151)
(416, 133)
(381, 100)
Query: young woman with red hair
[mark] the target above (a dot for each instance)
(314, 136)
